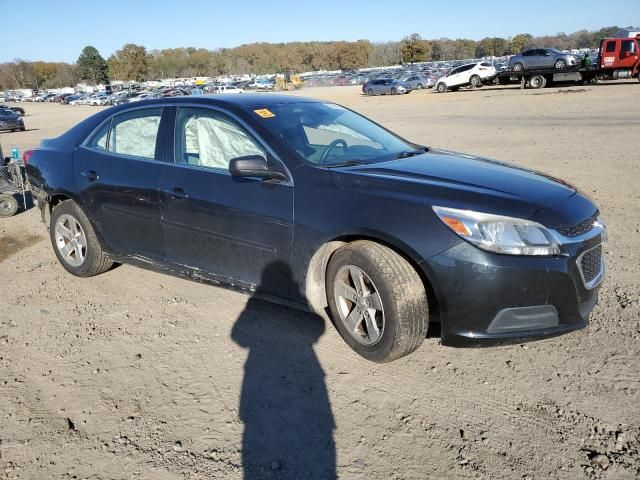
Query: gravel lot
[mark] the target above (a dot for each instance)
(139, 375)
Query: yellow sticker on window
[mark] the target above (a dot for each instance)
(265, 113)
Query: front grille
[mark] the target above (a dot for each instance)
(591, 264)
(579, 229)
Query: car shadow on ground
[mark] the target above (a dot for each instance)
(284, 404)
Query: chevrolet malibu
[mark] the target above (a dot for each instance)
(311, 204)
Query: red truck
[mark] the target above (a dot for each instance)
(619, 58)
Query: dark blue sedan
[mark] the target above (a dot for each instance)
(308, 203)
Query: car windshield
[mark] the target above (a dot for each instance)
(330, 135)
(6, 112)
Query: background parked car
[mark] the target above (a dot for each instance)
(384, 86)
(419, 82)
(17, 110)
(541, 58)
(226, 89)
(9, 120)
(474, 74)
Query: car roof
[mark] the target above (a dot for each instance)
(244, 100)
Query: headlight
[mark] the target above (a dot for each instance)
(495, 233)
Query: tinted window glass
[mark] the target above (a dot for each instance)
(611, 46)
(210, 139)
(99, 140)
(528, 53)
(627, 46)
(135, 133)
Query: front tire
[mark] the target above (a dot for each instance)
(377, 300)
(75, 242)
(394, 91)
(560, 64)
(420, 87)
(518, 67)
(8, 205)
(441, 87)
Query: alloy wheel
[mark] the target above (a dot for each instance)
(359, 305)
(71, 240)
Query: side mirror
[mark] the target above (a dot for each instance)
(253, 166)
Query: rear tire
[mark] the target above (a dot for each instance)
(370, 92)
(75, 242)
(441, 87)
(537, 81)
(389, 314)
(475, 81)
(8, 205)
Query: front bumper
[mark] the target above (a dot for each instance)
(487, 299)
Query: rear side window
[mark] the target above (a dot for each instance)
(99, 139)
(611, 46)
(135, 133)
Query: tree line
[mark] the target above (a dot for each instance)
(134, 62)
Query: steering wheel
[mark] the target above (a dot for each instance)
(330, 147)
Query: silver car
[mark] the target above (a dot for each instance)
(384, 86)
(418, 82)
(541, 58)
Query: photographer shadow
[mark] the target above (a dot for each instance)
(284, 405)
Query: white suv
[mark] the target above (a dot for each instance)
(474, 74)
(226, 89)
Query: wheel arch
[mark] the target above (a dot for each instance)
(59, 197)
(315, 281)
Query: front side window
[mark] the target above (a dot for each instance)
(328, 134)
(207, 138)
(627, 46)
(135, 133)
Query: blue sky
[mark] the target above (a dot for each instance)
(58, 30)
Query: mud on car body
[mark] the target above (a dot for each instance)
(384, 236)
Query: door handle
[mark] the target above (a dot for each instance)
(177, 192)
(90, 175)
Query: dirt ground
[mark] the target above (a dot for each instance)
(139, 375)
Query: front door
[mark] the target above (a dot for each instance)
(628, 55)
(117, 172)
(237, 229)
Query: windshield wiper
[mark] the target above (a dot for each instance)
(348, 163)
(409, 153)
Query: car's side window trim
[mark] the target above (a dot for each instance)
(252, 133)
(158, 146)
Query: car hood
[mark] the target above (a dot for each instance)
(460, 181)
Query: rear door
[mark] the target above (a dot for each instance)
(233, 228)
(117, 172)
